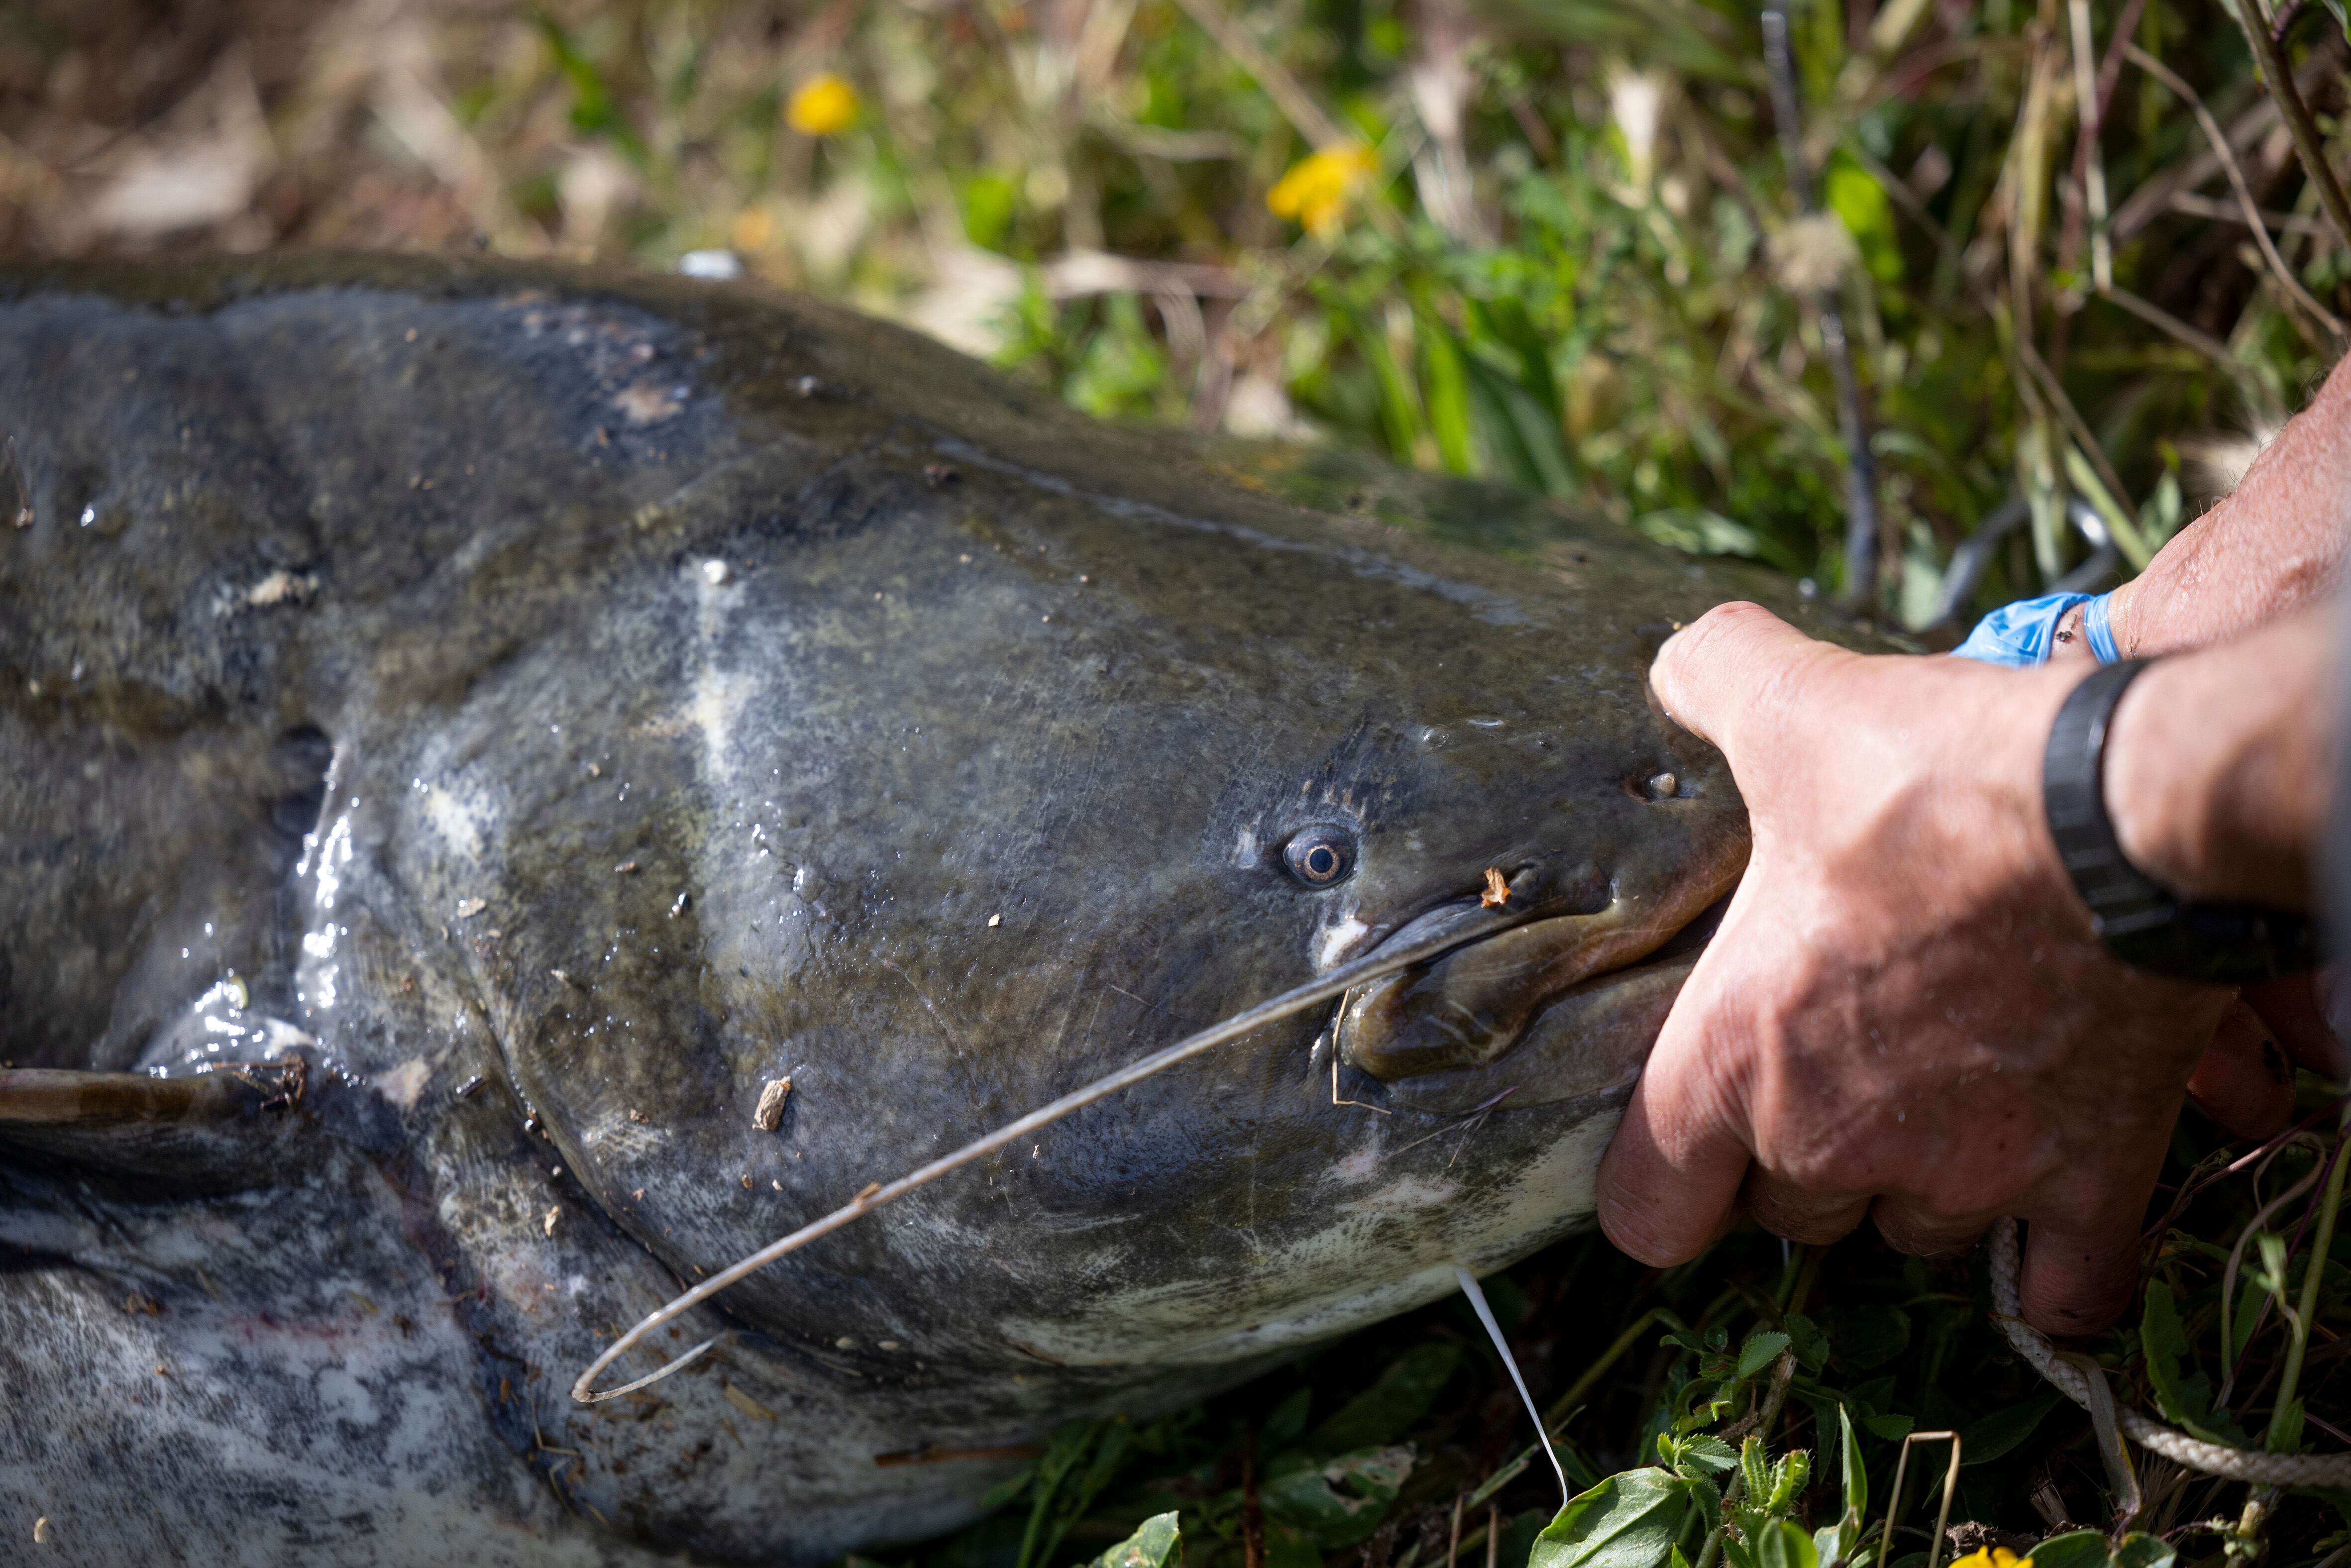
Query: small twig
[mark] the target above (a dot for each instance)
(1253, 1510)
(2089, 169)
(2282, 27)
(2271, 54)
(2163, 320)
(2221, 149)
(2229, 1278)
(1894, 1503)
(2190, 204)
(1453, 1543)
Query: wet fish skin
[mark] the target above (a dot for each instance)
(632, 692)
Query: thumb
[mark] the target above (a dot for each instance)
(1731, 673)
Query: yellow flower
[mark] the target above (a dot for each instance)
(1319, 187)
(824, 105)
(1991, 1557)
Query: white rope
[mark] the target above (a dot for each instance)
(2213, 1458)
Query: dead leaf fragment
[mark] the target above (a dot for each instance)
(552, 1216)
(1498, 892)
(469, 907)
(744, 1402)
(770, 1113)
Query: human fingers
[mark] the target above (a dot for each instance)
(1799, 1213)
(2079, 1274)
(2243, 1081)
(1669, 1181)
(1729, 674)
(1922, 1228)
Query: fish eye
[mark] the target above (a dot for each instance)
(1320, 856)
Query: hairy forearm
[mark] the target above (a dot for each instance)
(2219, 762)
(2276, 545)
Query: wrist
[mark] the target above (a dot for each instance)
(2216, 767)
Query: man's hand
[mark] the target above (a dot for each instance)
(1904, 1014)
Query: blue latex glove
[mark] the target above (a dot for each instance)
(2025, 632)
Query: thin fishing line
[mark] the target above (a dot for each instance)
(1469, 1287)
(1297, 1000)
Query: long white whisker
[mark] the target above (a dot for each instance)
(1494, 1332)
(1342, 978)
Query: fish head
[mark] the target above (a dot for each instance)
(1028, 783)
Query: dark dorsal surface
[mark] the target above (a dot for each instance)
(634, 692)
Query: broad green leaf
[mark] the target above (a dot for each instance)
(1857, 1472)
(1760, 1349)
(2249, 1311)
(1518, 1533)
(1634, 1519)
(1339, 1501)
(1783, 1544)
(1987, 1438)
(2138, 1550)
(1704, 1454)
(1158, 1545)
(1865, 1336)
(2165, 1344)
(1893, 1428)
(1860, 201)
(1812, 1346)
(1401, 1396)
(2074, 1548)
(2183, 1396)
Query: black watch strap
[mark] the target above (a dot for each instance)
(2140, 922)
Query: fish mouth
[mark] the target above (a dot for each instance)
(1558, 1006)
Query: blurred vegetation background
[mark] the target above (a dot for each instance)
(2020, 285)
(1559, 242)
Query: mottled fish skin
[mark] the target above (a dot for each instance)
(630, 692)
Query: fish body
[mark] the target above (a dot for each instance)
(523, 785)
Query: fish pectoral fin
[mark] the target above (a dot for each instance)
(216, 1132)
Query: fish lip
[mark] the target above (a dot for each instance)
(1534, 902)
(1450, 1037)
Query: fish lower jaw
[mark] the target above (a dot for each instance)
(1392, 1242)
